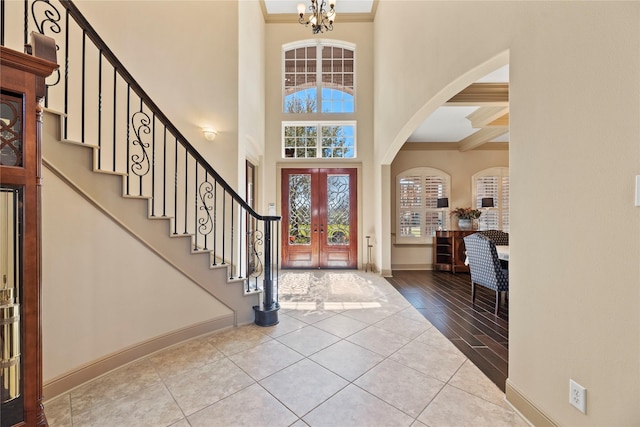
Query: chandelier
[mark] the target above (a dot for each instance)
(321, 19)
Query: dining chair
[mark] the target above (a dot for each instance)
(498, 237)
(485, 267)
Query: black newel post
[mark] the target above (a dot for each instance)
(267, 315)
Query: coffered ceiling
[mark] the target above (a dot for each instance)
(478, 117)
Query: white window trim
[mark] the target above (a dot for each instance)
(445, 212)
(319, 124)
(500, 171)
(320, 43)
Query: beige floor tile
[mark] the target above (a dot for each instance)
(183, 357)
(432, 361)
(400, 386)
(471, 379)
(375, 313)
(355, 407)
(347, 359)
(341, 326)
(182, 423)
(403, 326)
(285, 325)
(58, 411)
(252, 406)
(413, 314)
(454, 407)
(379, 340)
(311, 316)
(203, 386)
(153, 406)
(434, 338)
(265, 359)
(304, 366)
(239, 339)
(308, 340)
(122, 382)
(303, 386)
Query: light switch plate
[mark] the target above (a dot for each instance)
(637, 190)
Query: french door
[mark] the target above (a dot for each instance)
(319, 218)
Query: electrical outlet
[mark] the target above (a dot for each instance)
(578, 396)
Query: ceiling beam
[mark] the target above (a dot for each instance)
(487, 116)
(495, 94)
(500, 121)
(481, 137)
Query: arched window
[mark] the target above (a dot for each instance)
(319, 76)
(492, 183)
(417, 194)
(318, 83)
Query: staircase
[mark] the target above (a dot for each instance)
(112, 144)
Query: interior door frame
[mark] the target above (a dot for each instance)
(322, 257)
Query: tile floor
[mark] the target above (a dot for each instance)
(349, 351)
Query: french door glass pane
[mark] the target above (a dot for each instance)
(300, 209)
(338, 210)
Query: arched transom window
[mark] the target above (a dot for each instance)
(319, 77)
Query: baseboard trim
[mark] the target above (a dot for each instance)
(534, 415)
(89, 371)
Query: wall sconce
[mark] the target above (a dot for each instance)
(209, 133)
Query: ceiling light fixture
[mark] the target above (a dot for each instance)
(321, 19)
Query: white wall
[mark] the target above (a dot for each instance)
(574, 153)
(103, 290)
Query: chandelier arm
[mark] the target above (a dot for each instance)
(320, 19)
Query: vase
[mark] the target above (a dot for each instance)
(465, 224)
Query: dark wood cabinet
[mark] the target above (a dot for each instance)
(448, 250)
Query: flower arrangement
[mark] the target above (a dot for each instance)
(466, 213)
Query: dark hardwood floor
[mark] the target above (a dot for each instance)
(445, 300)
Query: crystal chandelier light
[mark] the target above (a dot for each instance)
(320, 19)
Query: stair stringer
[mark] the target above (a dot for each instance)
(75, 165)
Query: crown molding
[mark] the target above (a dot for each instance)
(486, 94)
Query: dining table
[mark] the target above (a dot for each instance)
(503, 252)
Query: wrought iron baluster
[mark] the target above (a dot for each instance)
(233, 222)
(128, 134)
(215, 222)
(195, 211)
(175, 190)
(115, 115)
(82, 91)
(186, 184)
(100, 109)
(66, 77)
(224, 222)
(164, 173)
(153, 166)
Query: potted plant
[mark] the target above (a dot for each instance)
(466, 217)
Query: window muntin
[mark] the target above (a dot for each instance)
(417, 194)
(494, 183)
(319, 78)
(319, 140)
